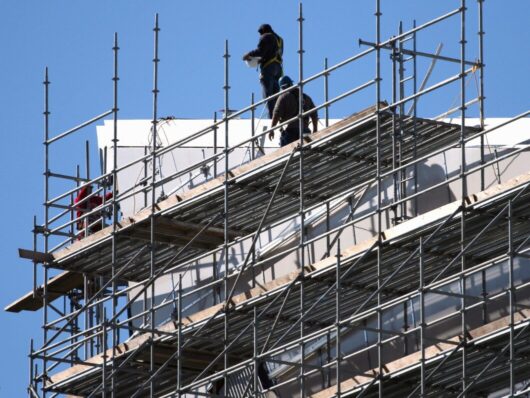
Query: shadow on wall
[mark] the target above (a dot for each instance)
(428, 176)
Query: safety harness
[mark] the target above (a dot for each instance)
(279, 52)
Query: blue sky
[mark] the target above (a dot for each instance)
(74, 39)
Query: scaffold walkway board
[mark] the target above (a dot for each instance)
(56, 287)
(335, 159)
(402, 376)
(486, 228)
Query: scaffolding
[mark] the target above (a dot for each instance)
(293, 334)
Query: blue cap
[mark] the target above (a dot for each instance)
(285, 81)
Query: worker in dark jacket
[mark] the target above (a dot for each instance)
(287, 107)
(269, 51)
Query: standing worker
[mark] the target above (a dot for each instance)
(84, 203)
(269, 53)
(287, 108)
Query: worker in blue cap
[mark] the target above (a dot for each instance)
(269, 52)
(287, 107)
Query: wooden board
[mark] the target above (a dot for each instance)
(179, 233)
(430, 353)
(57, 286)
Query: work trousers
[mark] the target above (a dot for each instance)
(291, 135)
(269, 83)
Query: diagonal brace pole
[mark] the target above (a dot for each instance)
(495, 359)
(258, 231)
(87, 304)
(412, 255)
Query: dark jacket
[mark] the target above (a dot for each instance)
(287, 107)
(267, 48)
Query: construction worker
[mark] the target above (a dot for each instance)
(269, 52)
(287, 107)
(85, 202)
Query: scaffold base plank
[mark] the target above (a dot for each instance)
(57, 286)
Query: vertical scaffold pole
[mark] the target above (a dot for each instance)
(403, 173)
(252, 129)
(104, 354)
(395, 181)
(464, 187)
(511, 296)
(35, 237)
(481, 97)
(87, 318)
(115, 79)
(326, 91)
(154, 122)
(422, 323)
(72, 199)
(328, 227)
(87, 159)
(414, 114)
(226, 89)
(255, 355)
(252, 156)
(179, 338)
(46, 225)
(337, 321)
(379, 187)
(30, 384)
(301, 181)
(215, 128)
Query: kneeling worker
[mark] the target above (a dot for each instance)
(287, 107)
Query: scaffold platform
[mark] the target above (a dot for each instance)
(484, 344)
(333, 158)
(202, 332)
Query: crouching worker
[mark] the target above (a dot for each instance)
(85, 202)
(287, 107)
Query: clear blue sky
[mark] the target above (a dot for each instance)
(74, 38)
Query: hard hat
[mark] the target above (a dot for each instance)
(285, 81)
(264, 28)
(253, 62)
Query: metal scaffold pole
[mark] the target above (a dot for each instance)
(179, 338)
(379, 188)
(414, 115)
(255, 385)
(31, 386)
(152, 242)
(511, 298)
(337, 321)
(46, 218)
(326, 91)
(226, 89)
(401, 76)
(481, 96)
(104, 336)
(115, 208)
(422, 321)
(301, 189)
(252, 129)
(395, 182)
(463, 177)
